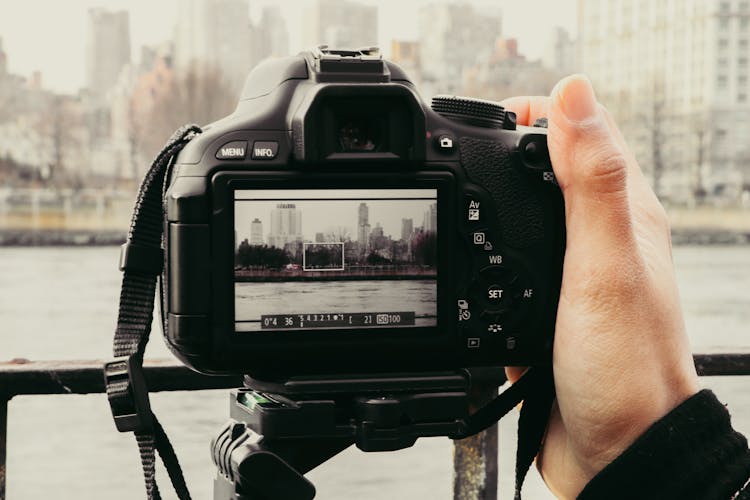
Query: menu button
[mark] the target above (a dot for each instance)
(234, 150)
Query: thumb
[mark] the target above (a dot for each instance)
(589, 162)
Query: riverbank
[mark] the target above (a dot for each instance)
(350, 274)
(31, 238)
(42, 238)
(690, 226)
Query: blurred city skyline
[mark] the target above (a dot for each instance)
(53, 45)
(132, 73)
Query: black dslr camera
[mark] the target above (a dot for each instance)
(366, 261)
(335, 223)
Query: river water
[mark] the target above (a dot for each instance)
(61, 303)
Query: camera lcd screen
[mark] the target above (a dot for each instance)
(309, 259)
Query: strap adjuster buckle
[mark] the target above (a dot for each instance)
(143, 259)
(128, 394)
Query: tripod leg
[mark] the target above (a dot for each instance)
(263, 475)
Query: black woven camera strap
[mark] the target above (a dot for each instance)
(536, 389)
(142, 261)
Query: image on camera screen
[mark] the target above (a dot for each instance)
(309, 259)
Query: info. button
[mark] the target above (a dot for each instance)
(265, 150)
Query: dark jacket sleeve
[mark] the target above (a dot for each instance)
(691, 453)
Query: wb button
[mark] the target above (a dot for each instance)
(265, 150)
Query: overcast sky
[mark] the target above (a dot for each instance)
(49, 35)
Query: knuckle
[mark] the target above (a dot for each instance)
(605, 167)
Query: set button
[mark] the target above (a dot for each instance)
(495, 288)
(503, 296)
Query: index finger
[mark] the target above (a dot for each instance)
(527, 108)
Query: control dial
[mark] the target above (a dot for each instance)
(475, 111)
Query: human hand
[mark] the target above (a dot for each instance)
(621, 358)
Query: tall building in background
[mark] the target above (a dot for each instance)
(256, 232)
(363, 227)
(453, 37)
(3, 60)
(107, 48)
(214, 35)
(407, 228)
(667, 70)
(562, 52)
(341, 24)
(286, 225)
(406, 54)
(430, 219)
(507, 72)
(270, 35)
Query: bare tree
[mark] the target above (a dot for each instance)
(700, 130)
(652, 120)
(199, 95)
(337, 234)
(56, 126)
(657, 129)
(502, 81)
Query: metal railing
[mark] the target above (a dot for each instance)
(477, 453)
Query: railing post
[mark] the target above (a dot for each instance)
(3, 435)
(475, 458)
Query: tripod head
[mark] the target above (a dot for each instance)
(280, 430)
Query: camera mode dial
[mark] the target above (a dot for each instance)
(475, 111)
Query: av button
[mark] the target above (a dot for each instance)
(473, 209)
(265, 150)
(234, 150)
